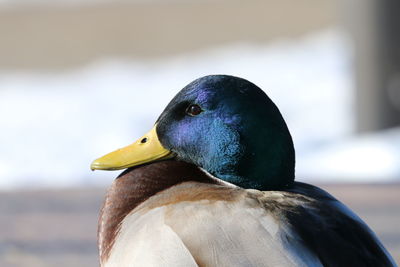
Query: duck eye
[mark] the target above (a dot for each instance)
(193, 110)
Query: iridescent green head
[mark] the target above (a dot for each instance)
(227, 126)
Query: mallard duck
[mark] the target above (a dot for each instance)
(212, 184)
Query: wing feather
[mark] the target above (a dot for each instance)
(194, 224)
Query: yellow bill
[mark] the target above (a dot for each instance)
(146, 149)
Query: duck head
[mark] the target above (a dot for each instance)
(227, 126)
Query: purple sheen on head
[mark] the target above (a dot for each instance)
(240, 136)
(203, 96)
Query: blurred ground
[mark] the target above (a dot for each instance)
(58, 227)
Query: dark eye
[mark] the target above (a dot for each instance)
(194, 110)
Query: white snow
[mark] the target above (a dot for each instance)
(54, 124)
(367, 158)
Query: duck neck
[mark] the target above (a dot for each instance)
(267, 163)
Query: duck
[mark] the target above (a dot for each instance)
(213, 184)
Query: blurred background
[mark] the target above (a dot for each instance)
(81, 78)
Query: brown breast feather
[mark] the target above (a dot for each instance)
(136, 185)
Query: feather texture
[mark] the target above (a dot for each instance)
(212, 225)
(197, 220)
